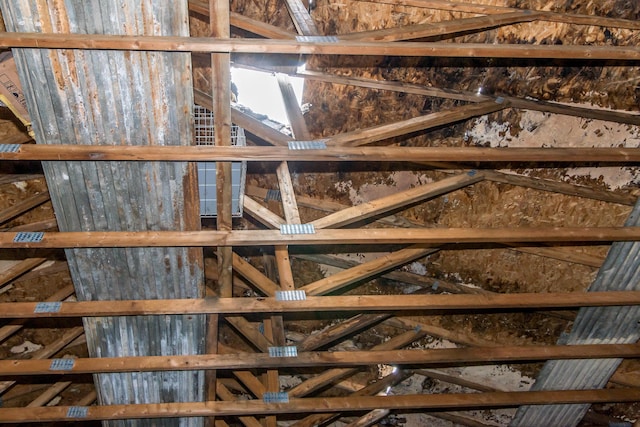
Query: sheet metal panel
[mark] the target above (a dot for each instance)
(596, 325)
(120, 98)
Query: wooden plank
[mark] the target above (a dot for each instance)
(439, 357)
(49, 394)
(444, 28)
(569, 18)
(424, 303)
(366, 271)
(254, 276)
(209, 45)
(335, 153)
(17, 324)
(421, 123)
(515, 102)
(369, 418)
(562, 254)
(372, 389)
(331, 375)
(251, 333)
(561, 187)
(19, 269)
(432, 236)
(245, 23)
(400, 199)
(325, 404)
(340, 330)
(43, 225)
(262, 214)
(226, 395)
(23, 206)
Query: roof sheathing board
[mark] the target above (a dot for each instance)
(118, 98)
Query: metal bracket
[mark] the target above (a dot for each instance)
(285, 351)
(273, 195)
(295, 295)
(62, 364)
(47, 307)
(77, 412)
(9, 148)
(297, 229)
(275, 397)
(319, 144)
(317, 39)
(28, 237)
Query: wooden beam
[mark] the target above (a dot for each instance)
(514, 102)
(15, 325)
(402, 236)
(398, 200)
(424, 303)
(224, 45)
(254, 276)
(335, 153)
(340, 330)
(568, 18)
(226, 395)
(251, 333)
(366, 271)
(560, 187)
(562, 254)
(262, 214)
(421, 123)
(243, 22)
(329, 376)
(369, 390)
(19, 269)
(444, 28)
(49, 394)
(23, 206)
(324, 404)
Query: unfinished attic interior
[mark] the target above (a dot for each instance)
(445, 235)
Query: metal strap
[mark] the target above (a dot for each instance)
(275, 397)
(319, 144)
(295, 295)
(297, 229)
(47, 307)
(28, 237)
(285, 351)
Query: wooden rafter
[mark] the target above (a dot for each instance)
(324, 404)
(401, 236)
(332, 153)
(23, 206)
(229, 306)
(209, 45)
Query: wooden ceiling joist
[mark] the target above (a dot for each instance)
(401, 236)
(425, 303)
(323, 404)
(210, 45)
(333, 153)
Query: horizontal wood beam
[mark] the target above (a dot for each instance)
(360, 303)
(322, 404)
(335, 152)
(439, 357)
(214, 45)
(428, 236)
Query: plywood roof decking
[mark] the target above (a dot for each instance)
(120, 98)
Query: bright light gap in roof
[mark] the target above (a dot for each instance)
(260, 92)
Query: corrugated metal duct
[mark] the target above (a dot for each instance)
(601, 325)
(119, 98)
